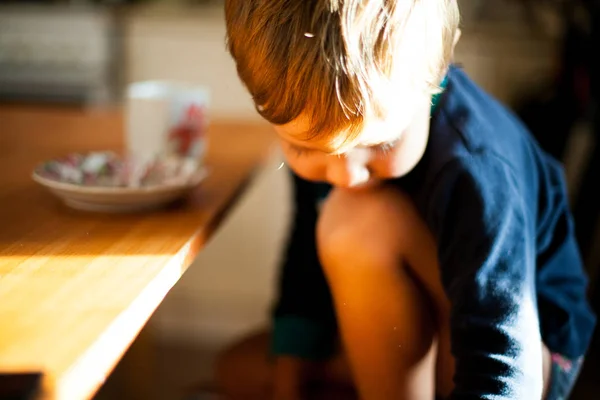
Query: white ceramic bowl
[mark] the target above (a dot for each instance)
(117, 198)
(108, 199)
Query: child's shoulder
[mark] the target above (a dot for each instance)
(471, 129)
(479, 149)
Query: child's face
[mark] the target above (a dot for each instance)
(385, 149)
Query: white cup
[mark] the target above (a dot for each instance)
(166, 119)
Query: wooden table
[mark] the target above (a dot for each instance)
(76, 288)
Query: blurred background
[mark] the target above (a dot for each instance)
(534, 55)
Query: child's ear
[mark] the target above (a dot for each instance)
(457, 36)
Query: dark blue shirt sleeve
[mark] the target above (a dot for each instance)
(486, 241)
(304, 319)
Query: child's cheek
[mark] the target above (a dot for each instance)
(389, 166)
(309, 168)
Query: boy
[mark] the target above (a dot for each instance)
(443, 254)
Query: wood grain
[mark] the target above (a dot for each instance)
(76, 288)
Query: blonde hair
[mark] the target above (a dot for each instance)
(337, 62)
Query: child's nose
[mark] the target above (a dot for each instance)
(346, 172)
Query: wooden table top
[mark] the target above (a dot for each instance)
(75, 287)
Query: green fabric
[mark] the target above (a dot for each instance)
(436, 97)
(302, 337)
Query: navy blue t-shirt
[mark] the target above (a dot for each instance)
(510, 266)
